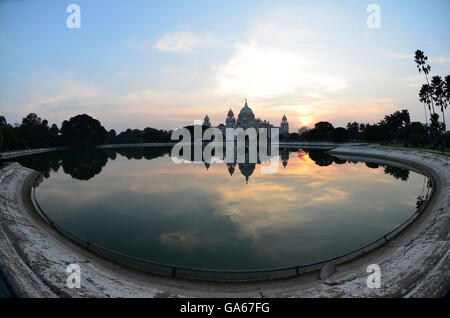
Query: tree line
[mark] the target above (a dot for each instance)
(85, 131)
(393, 128)
(397, 127)
(79, 131)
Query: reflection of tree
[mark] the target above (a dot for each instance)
(143, 152)
(83, 165)
(397, 173)
(284, 154)
(372, 165)
(43, 162)
(339, 161)
(87, 163)
(320, 157)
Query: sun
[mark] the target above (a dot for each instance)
(305, 120)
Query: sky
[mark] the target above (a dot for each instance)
(164, 64)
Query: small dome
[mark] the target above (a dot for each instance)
(206, 121)
(230, 113)
(246, 114)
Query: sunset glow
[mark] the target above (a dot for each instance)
(153, 66)
(305, 121)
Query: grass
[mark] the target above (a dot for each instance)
(424, 149)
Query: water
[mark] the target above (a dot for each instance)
(138, 202)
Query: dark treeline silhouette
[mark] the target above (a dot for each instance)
(131, 136)
(396, 127)
(323, 159)
(434, 95)
(84, 165)
(79, 131)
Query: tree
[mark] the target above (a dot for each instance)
(438, 95)
(353, 130)
(32, 120)
(294, 136)
(53, 136)
(446, 88)
(437, 130)
(302, 130)
(83, 131)
(9, 137)
(423, 66)
(322, 131)
(303, 133)
(129, 136)
(340, 134)
(395, 124)
(111, 139)
(416, 134)
(155, 135)
(424, 97)
(372, 132)
(30, 130)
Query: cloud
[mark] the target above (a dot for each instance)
(278, 60)
(441, 60)
(185, 40)
(432, 59)
(261, 71)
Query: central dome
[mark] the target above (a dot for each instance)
(246, 115)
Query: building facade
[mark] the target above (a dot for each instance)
(246, 119)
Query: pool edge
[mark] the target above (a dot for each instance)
(349, 281)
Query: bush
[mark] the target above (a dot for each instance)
(417, 140)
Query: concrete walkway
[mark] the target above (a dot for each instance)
(416, 263)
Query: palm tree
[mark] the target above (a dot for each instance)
(438, 94)
(447, 91)
(424, 97)
(423, 66)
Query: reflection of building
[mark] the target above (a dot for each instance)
(284, 155)
(246, 168)
(246, 119)
(231, 167)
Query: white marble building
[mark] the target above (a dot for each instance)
(247, 119)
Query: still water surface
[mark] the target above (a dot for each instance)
(137, 201)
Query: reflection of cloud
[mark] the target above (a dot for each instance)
(249, 210)
(180, 240)
(301, 196)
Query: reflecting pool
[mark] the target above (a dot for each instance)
(225, 216)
